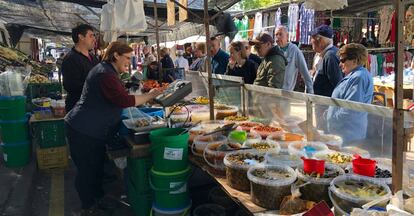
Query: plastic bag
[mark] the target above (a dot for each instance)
(11, 84)
(294, 205)
(121, 163)
(129, 15)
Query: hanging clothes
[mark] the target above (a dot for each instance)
(278, 17)
(238, 24)
(293, 18)
(371, 23)
(251, 26)
(245, 27)
(258, 18)
(380, 63)
(393, 28)
(385, 21)
(409, 25)
(265, 22)
(307, 24)
(374, 65)
(389, 63)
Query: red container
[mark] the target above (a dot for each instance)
(364, 166)
(313, 166)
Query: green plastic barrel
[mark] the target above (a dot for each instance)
(14, 131)
(138, 172)
(170, 189)
(169, 149)
(141, 202)
(16, 154)
(12, 108)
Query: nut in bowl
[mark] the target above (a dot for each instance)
(285, 138)
(235, 119)
(214, 154)
(247, 126)
(200, 100)
(265, 131)
(337, 158)
(200, 143)
(262, 146)
(223, 111)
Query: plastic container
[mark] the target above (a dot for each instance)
(338, 158)
(211, 125)
(209, 210)
(364, 166)
(353, 150)
(268, 192)
(285, 138)
(247, 126)
(346, 202)
(334, 142)
(140, 201)
(223, 111)
(170, 189)
(58, 107)
(12, 108)
(235, 119)
(47, 134)
(14, 131)
(249, 137)
(262, 146)
(41, 113)
(214, 157)
(237, 136)
(153, 111)
(283, 158)
(306, 148)
(201, 142)
(290, 123)
(317, 188)
(50, 158)
(169, 149)
(170, 212)
(197, 107)
(184, 117)
(265, 131)
(313, 166)
(42, 102)
(218, 196)
(237, 164)
(200, 115)
(384, 164)
(16, 154)
(138, 173)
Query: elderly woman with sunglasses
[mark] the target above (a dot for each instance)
(357, 86)
(239, 65)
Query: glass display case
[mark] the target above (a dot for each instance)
(356, 128)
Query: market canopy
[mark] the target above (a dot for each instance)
(46, 18)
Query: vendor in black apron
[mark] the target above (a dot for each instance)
(95, 119)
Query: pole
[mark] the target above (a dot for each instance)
(157, 36)
(398, 117)
(208, 62)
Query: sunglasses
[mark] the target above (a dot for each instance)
(343, 60)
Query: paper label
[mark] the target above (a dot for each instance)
(182, 189)
(173, 153)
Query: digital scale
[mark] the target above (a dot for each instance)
(175, 92)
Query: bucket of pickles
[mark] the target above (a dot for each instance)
(338, 158)
(354, 191)
(214, 154)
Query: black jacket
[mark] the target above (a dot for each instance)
(247, 71)
(75, 69)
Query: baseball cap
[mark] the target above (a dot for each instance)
(323, 30)
(262, 38)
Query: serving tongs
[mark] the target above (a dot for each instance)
(226, 129)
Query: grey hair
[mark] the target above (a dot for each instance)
(281, 27)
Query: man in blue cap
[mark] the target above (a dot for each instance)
(327, 71)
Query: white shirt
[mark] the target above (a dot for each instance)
(181, 62)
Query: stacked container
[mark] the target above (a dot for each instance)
(14, 131)
(139, 191)
(48, 135)
(170, 172)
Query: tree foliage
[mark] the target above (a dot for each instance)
(247, 5)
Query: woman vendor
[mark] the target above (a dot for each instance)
(95, 120)
(357, 85)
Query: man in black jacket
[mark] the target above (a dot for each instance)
(77, 63)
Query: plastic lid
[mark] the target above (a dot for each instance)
(284, 181)
(283, 158)
(298, 148)
(320, 180)
(351, 198)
